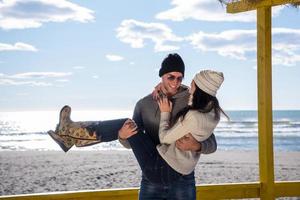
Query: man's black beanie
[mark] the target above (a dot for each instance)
(172, 63)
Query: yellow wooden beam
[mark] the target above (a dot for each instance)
(247, 5)
(228, 191)
(108, 194)
(264, 87)
(220, 191)
(287, 189)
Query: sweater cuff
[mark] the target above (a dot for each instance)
(203, 148)
(165, 116)
(125, 143)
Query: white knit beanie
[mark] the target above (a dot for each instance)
(209, 81)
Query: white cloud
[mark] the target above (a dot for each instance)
(241, 44)
(206, 10)
(19, 46)
(22, 94)
(30, 83)
(112, 57)
(40, 75)
(30, 78)
(62, 80)
(233, 43)
(78, 67)
(95, 76)
(136, 33)
(20, 14)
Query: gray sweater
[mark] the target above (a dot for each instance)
(147, 117)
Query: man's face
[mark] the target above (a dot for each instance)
(171, 82)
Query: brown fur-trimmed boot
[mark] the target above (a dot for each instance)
(68, 133)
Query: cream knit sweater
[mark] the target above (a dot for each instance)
(200, 125)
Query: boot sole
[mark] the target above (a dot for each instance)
(54, 136)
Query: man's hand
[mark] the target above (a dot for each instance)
(128, 129)
(157, 90)
(188, 143)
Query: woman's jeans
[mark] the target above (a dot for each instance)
(159, 180)
(107, 130)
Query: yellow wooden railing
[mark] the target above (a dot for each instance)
(219, 191)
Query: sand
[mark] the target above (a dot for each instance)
(44, 171)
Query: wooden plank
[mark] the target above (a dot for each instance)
(264, 87)
(287, 189)
(220, 191)
(247, 5)
(228, 191)
(108, 194)
(210, 191)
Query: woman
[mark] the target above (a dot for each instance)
(163, 163)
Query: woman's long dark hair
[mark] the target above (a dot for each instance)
(203, 103)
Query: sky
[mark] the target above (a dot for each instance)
(105, 55)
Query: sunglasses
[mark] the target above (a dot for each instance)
(172, 78)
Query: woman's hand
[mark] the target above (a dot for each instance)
(156, 92)
(164, 104)
(128, 129)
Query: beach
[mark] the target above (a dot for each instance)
(24, 172)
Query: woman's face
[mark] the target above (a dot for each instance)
(192, 90)
(193, 87)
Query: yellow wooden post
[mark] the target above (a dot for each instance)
(265, 120)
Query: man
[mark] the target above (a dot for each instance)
(147, 118)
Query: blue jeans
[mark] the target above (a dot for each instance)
(153, 166)
(182, 189)
(159, 180)
(107, 130)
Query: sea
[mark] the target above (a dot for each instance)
(27, 131)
